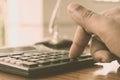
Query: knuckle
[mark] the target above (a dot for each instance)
(88, 14)
(117, 9)
(85, 13)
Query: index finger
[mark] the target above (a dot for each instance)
(80, 41)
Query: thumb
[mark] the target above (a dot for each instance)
(88, 19)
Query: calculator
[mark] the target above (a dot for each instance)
(39, 61)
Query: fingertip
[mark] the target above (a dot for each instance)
(70, 56)
(103, 56)
(75, 51)
(72, 7)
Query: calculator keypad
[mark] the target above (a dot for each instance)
(36, 58)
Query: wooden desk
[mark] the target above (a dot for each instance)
(108, 72)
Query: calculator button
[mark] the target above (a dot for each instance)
(43, 62)
(36, 53)
(12, 61)
(24, 58)
(44, 55)
(42, 58)
(85, 56)
(54, 54)
(19, 62)
(35, 57)
(2, 59)
(7, 59)
(65, 59)
(52, 57)
(33, 60)
(16, 57)
(55, 60)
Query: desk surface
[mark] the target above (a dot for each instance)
(106, 72)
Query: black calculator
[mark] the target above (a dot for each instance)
(35, 61)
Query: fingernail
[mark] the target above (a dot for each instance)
(73, 7)
(103, 60)
(103, 56)
(100, 59)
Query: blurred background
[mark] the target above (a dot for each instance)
(25, 22)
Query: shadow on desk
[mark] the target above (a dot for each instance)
(92, 73)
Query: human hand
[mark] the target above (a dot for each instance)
(103, 28)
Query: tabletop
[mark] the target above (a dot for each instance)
(101, 71)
